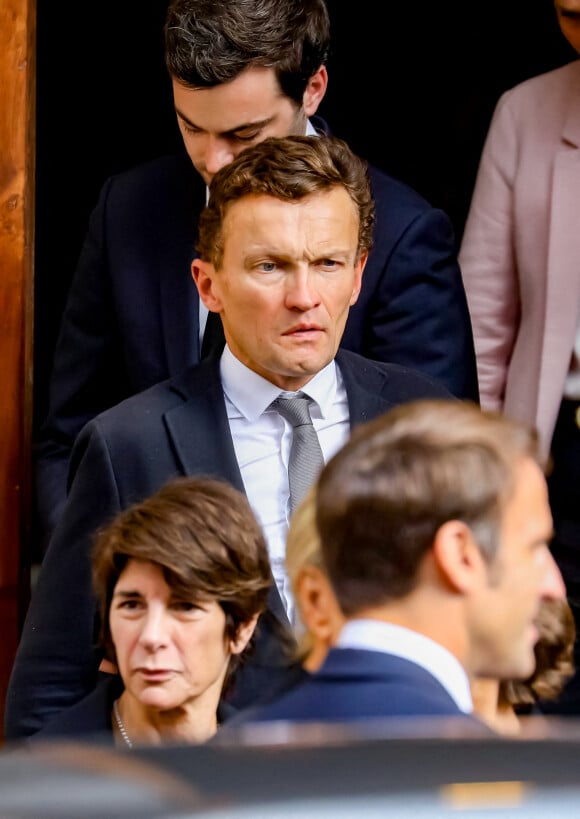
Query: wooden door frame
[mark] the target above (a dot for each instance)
(17, 169)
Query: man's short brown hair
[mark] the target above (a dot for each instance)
(286, 168)
(383, 497)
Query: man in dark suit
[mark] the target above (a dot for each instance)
(282, 246)
(434, 523)
(133, 316)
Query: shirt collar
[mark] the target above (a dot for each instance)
(252, 395)
(377, 635)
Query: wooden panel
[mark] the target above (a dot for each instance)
(17, 144)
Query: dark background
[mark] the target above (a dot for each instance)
(412, 88)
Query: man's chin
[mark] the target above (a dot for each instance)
(308, 361)
(524, 669)
(307, 368)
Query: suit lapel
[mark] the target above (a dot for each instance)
(200, 434)
(364, 386)
(199, 429)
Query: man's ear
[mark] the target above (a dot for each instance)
(315, 91)
(317, 604)
(243, 636)
(204, 276)
(358, 270)
(458, 558)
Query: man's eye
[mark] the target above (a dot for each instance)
(189, 129)
(247, 137)
(329, 264)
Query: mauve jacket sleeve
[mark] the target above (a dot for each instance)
(487, 257)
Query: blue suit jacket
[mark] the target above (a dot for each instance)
(355, 684)
(132, 316)
(178, 427)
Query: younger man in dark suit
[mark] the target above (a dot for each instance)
(282, 247)
(240, 72)
(434, 523)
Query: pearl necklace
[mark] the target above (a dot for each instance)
(120, 726)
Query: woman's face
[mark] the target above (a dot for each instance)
(170, 651)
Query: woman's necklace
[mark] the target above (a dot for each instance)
(120, 726)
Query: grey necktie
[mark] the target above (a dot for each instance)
(306, 459)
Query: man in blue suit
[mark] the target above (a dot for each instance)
(434, 523)
(133, 316)
(282, 246)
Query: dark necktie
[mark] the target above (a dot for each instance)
(306, 459)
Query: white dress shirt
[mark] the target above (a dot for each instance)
(262, 440)
(376, 635)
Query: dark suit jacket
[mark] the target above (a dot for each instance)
(357, 684)
(178, 427)
(132, 316)
(90, 719)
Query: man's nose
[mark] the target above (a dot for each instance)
(218, 153)
(301, 291)
(553, 587)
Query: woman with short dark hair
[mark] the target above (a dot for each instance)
(181, 579)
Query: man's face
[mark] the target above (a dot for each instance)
(289, 275)
(568, 13)
(217, 123)
(522, 574)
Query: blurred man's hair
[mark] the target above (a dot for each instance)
(382, 498)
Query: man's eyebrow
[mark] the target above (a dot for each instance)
(245, 126)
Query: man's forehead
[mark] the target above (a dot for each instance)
(224, 125)
(332, 209)
(251, 98)
(568, 6)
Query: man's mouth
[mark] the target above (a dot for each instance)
(303, 329)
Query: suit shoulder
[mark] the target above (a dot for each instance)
(405, 381)
(389, 191)
(414, 382)
(172, 172)
(393, 196)
(138, 411)
(145, 409)
(169, 164)
(549, 86)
